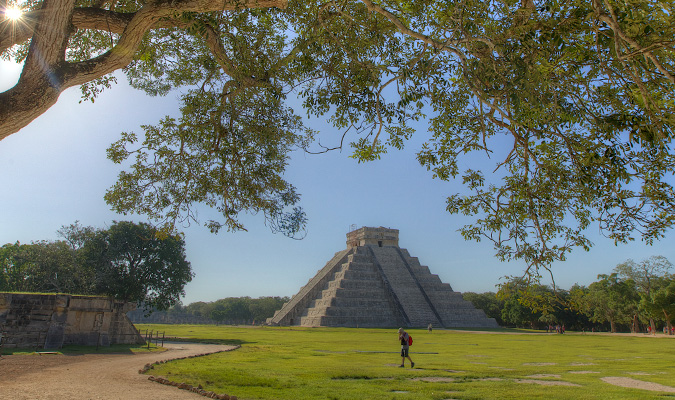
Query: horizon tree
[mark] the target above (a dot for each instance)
(43, 267)
(644, 274)
(488, 302)
(611, 300)
(661, 302)
(14, 269)
(127, 261)
(524, 302)
(133, 264)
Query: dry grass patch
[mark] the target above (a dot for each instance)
(434, 379)
(537, 376)
(547, 383)
(637, 384)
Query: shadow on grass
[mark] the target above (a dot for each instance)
(227, 342)
(75, 350)
(495, 330)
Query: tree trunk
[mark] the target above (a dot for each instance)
(41, 80)
(612, 326)
(46, 73)
(669, 326)
(635, 327)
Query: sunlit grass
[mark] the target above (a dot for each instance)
(322, 363)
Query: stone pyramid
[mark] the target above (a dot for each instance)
(375, 283)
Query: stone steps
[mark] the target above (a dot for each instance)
(347, 312)
(451, 306)
(357, 275)
(407, 290)
(351, 293)
(355, 293)
(363, 321)
(290, 313)
(367, 303)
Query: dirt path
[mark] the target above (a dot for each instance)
(92, 376)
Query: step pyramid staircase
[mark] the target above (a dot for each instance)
(374, 283)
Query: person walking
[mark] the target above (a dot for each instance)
(403, 338)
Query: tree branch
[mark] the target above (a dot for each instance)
(46, 74)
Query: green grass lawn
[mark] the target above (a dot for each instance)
(325, 363)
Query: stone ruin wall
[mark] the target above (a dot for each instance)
(51, 321)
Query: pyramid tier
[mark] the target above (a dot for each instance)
(375, 285)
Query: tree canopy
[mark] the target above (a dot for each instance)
(127, 261)
(569, 101)
(133, 264)
(650, 276)
(617, 301)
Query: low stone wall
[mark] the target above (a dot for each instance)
(51, 321)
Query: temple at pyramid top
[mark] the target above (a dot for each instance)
(372, 237)
(375, 283)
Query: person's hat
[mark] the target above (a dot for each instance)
(400, 330)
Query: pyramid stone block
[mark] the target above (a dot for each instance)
(375, 283)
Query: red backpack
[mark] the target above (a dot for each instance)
(410, 340)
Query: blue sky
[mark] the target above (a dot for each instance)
(55, 172)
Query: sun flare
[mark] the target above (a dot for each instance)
(13, 13)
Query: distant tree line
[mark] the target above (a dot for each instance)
(634, 297)
(230, 310)
(127, 261)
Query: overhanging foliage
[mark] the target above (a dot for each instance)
(581, 92)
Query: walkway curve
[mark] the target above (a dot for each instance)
(94, 376)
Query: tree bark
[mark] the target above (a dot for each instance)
(669, 326)
(46, 74)
(41, 80)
